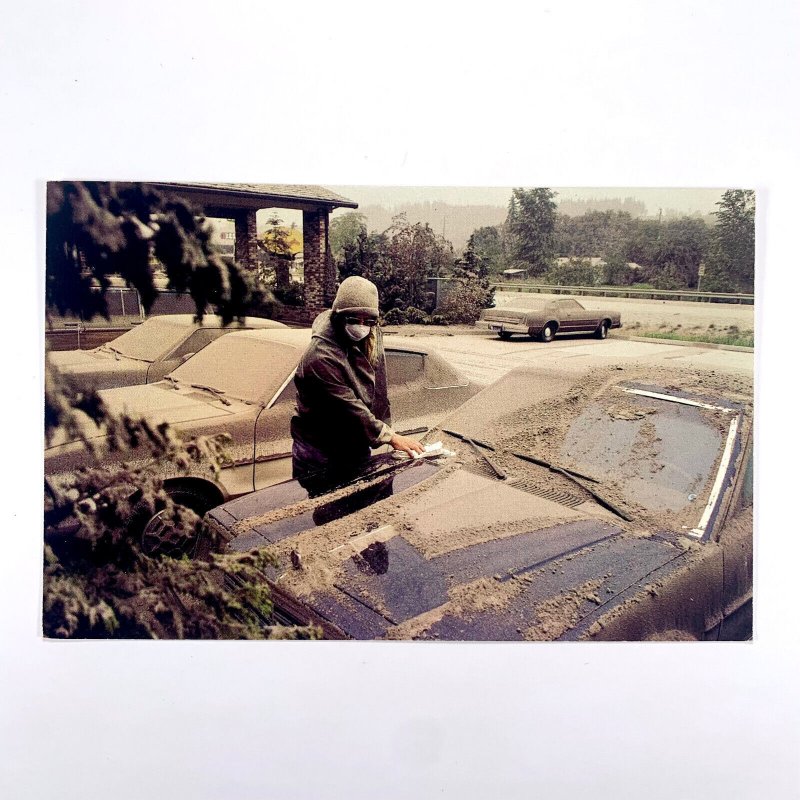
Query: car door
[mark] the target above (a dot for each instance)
(574, 317)
(273, 439)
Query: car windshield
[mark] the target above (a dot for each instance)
(242, 367)
(150, 339)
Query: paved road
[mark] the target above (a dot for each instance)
(654, 314)
(484, 359)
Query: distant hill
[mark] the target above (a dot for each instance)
(455, 222)
(577, 208)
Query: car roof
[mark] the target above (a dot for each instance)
(300, 337)
(215, 321)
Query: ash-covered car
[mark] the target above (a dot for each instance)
(241, 385)
(149, 351)
(545, 318)
(614, 505)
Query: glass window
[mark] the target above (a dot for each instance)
(403, 367)
(242, 366)
(196, 342)
(152, 338)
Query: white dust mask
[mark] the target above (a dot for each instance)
(357, 332)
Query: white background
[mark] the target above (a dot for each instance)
(492, 94)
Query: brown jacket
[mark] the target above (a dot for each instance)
(342, 401)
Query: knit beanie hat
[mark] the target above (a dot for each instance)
(357, 296)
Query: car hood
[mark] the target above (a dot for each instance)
(162, 402)
(438, 551)
(101, 370)
(449, 550)
(157, 403)
(90, 359)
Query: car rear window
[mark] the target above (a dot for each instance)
(242, 366)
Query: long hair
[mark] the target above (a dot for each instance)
(371, 349)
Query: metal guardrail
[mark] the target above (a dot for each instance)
(627, 291)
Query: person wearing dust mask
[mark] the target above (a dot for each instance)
(342, 402)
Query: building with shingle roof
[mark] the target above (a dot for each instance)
(241, 201)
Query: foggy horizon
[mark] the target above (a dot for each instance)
(682, 200)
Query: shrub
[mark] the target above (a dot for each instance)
(415, 316)
(574, 272)
(394, 316)
(291, 295)
(464, 301)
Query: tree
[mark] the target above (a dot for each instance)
(408, 255)
(486, 246)
(616, 270)
(469, 291)
(731, 262)
(572, 272)
(592, 234)
(669, 252)
(682, 246)
(99, 230)
(277, 248)
(530, 227)
(98, 579)
(344, 233)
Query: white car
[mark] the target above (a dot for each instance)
(148, 352)
(241, 384)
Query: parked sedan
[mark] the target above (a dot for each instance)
(545, 318)
(624, 515)
(148, 352)
(241, 384)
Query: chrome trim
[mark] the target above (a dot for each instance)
(682, 400)
(282, 387)
(440, 388)
(700, 530)
(511, 327)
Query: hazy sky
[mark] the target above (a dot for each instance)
(683, 200)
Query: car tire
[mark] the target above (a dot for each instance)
(505, 335)
(602, 330)
(159, 538)
(548, 332)
(194, 497)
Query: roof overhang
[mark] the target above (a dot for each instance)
(219, 197)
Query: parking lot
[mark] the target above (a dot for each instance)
(484, 358)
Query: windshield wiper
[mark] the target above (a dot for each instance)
(117, 353)
(173, 381)
(573, 475)
(111, 349)
(218, 392)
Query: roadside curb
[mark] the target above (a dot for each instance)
(463, 330)
(433, 330)
(679, 343)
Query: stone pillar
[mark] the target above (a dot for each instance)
(318, 269)
(246, 235)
